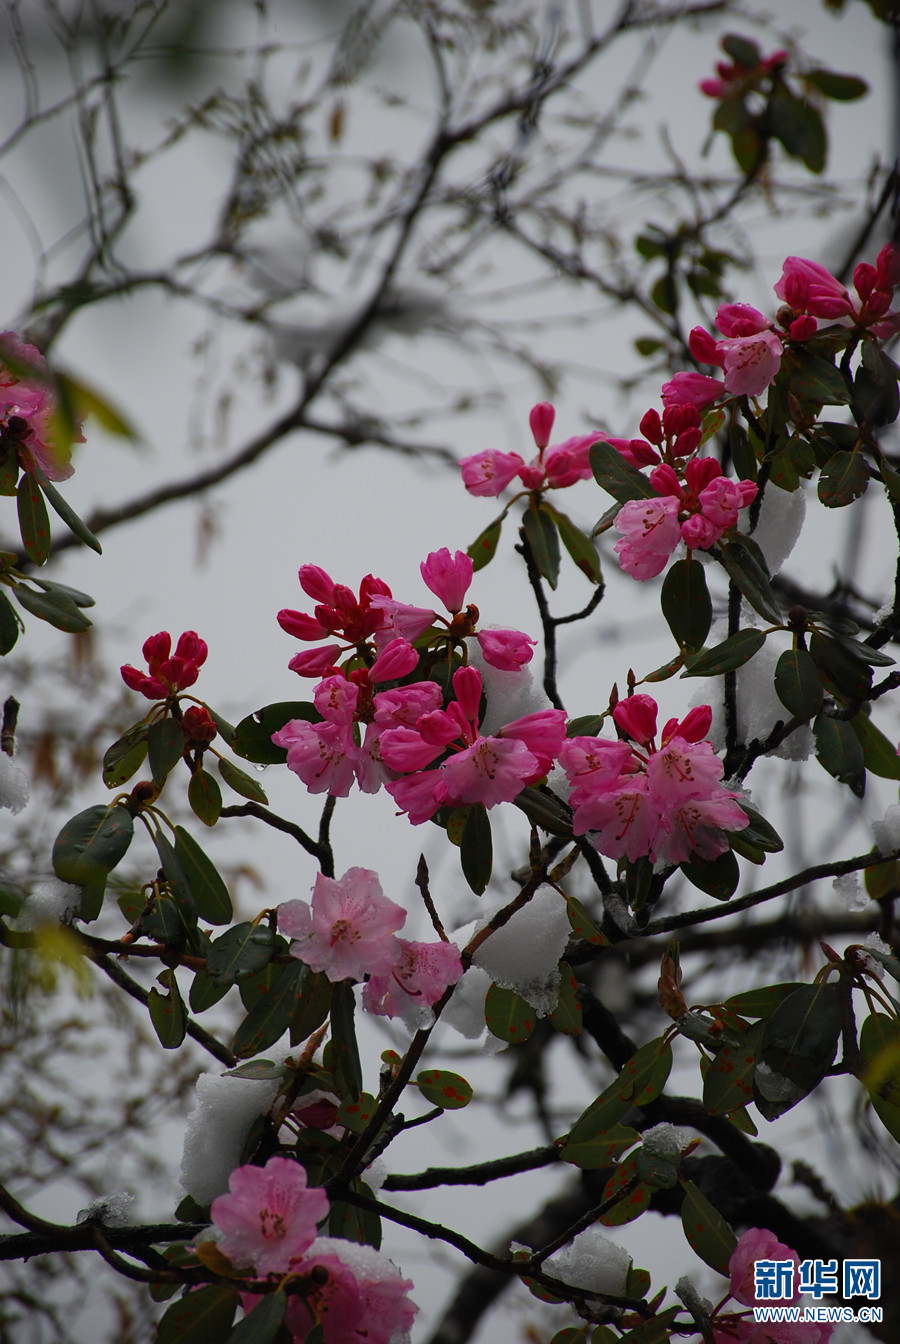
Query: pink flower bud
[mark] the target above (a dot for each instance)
(541, 421)
(315, 662)
(704, 347)
(651, 427)
(316, 583)
(397, 659)
(489, 473)
(691, 388)
(636, 716)
(300, 625)
(507, 650)
(448, 576)
(467, 685)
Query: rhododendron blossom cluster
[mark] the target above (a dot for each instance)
(268, 1223)
(28, 405)
(665, 802)
(168, 672)
(348, 932)
(758, 1243)
(489, 473)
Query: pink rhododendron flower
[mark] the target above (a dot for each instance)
(323, 755)
(269, 1217)
(339, 612)
(349, 930)
(757, 1243)
(507, 650)
(732, 76)
(29, 407)
(807, 287)
(489, 473)
(169, 673)
(750, 354)
(693, 389)
(650, 532)
(421, 974)
(448, 577)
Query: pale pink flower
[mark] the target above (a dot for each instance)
(697, 825)
(722, 500)
(625, 818)
(491, 771)
(490, 472)
(415, 795)
(323, 755)
(650, 532)
(356, 1295)
(349, 931)
(421, 974)
(569, 461)
(751, 362)
(757, 1243)
(269, 1217)
(448, 577)
(543, 733)
(507, 650)
(592, 764)
(400, 620)
(681, 770)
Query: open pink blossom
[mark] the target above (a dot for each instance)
(269, 1217)
(348, 932)
(168, 672)
(28, 405)
(650, 532)
(418, 978)
(489, 473)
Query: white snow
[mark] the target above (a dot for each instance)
(50, 902)
(524, 954)
(887, 830)
(849, 892)
(591, 1261)
(666, 1141)
(112, 1210)
(217, 1129)
(780, 522)
(509, 695)
(758, 707)
(14, 787)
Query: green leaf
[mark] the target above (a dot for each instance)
(812, 380)
(632, 1204)
(732, 653)
(686, 604)
(876, 397)
(706, 1229)
(618, 477)
(241, 782)
(879, 754)
(208, 888)
(353, 1224)
(839, 661)
(745, 566)
(728, 1084)
(205, 991)
(355, 1115)
(798, 1047)
(566, 1016)
(262, 1325)
(717, 877)
(165, 748)
(484, 547)
(163, 923)
(241, 951)
(9, 469)
(640, 1081)
(543, 810)
(580, 547)
(844, 478)
(799, 127)
(267, 1022)
(205, 797)
(450, 1091)
(664, 293)
(583, 925)
(87, 401)
(253, 736)
(34, 523)
(879, 1045)
(742, 50)
(476, 850)
(75, 594)
(842, 88)
(761, 1002)
(88, 848)
(312, 1008)
(56, 608)
(125, 756)
(600, 1151)
(508, 1015)
(64, 510)
(345, 1065)
(540, 534)
(797, 684)
(838, 751)
(176, 878)
(199, 1317)
(167, 1012)
(10, 625)
(252, 988)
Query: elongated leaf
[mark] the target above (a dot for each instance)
(798, 1047)
(199, 1317)
(205, 797)
(633, 1202)
(312, 1008)
(205, 991)
(34, 523)
(580, 547)
(879, 754)
(797, 684)
(77, 596)
(211, 898)
(167, 1012)
(508, 1015)
(241, 782)
(731, 654)
(88, 848)
(345, 1065)
(745, 567)
(125, 756)
(842, 88)
(450, 1091)
(355, 1115)
(706, 1229)
(267, 1022)
(484, 547)
(163, 923)
(65, 511)
(56, 608)
(640, 1081)
(728, 1085)
(243, 950)
(176, 877)
(540, 533)
(545, 811)
(582, 924)
(844, 478)
(10, 626)
(165, 747)
(814, 381)
(602, 1150)
(879, 1045)
(253, 736)
(761, 1002)
(566, 1016)
(476, 850)
(686, 604)
(717, 877)
(839, 751)
(618, 477)
(263, 1324)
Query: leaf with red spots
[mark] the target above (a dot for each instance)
(566, 1016)
(706, 1229)
(199, 1316)
(641, 1080)
(448, 1090)
(728, 1085)
(508, 1015)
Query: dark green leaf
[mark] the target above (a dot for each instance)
(728, 1085)
(208, 889)
(876, 396)
(242, 950)
(9, 469)
(797, 684)
(263, 1324)
(176, 877)
(838, 751)
(476, 850)
(484, 547)
(167, 1012)
(582, 924)
(844, 478)
(352, 1224)
(56, 608)
(241, 782)
(717, 877)
(664, 293)
(798, 1047)
(641, 1080)
(812, 380)
(686, 604)
(837, 659)
(879, 754)
(545, 811)
(163, 923)
(634, 1197)
(450, 1091)
(10, 625)
(205, 797)
(742, 50)
(566, 1016)
(580, 548)
(879, 1045)
(253, 735)
(618, 477)
(252, 988)
(345, 1065)
(165, 747)
(743, 458)
(745, 566)
(732, 653)
(199, 1317)
(65, 511)
(34, 523)
(842, 88)
(761, 1002)
(355, 1115)
(508, 1015)
(88, 848)
(125, 756)
(267, 1022)
(540, 533)
(312, 1008)
(799, 127)
(706, 1229)
(891, 480)
(600, 1151)
(205, 991)
(586, 725)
